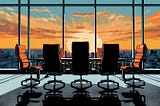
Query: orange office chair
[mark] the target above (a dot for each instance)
(62, 55)
(99, 55)
(135, 67)
(25, 65)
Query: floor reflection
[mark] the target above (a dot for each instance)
(27, 97)
(135, 97)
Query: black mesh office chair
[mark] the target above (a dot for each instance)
(52, 67)
(80, 65)
(109, 66)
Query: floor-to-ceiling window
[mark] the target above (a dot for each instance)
(79, 26)
(114, 25)
(45, 28)
(8, 36)
(35, 22)
(152, 36)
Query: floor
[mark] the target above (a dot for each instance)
(12, 94)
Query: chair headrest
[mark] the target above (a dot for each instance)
(20, 49)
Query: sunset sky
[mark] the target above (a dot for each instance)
(114, 25)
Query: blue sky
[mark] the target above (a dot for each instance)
(119, 10)
(80, 1)
(69, 11)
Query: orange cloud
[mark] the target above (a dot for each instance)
(83, 14)
(39, 10)
(111, 28)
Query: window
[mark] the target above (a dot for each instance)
(114, 25)
(113, 22)
(79, 1)
(114, 1)
(79, 26)
(46, 1)
(8, 1)
(152, 39)
(8, 33)
(45, 28)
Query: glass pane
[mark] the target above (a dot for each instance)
(24, 26)
(8, 1)
(152, 39)
(137, 1)
(79, 26)
(8, 40)
(46, 28)
(114, 1)
(114, 25)
(24, 1)
(79, 1)
(152, 1)
(138, 26)
(46, 1)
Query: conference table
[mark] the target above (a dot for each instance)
(90, 59)
(123, 60)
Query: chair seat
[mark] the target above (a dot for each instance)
(126, 67)
(35, 67)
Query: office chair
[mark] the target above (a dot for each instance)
(80, 65)
(52, 67)
(64, 64)
(135, 67)
(98, 55)
(109, 66)
(25, 65)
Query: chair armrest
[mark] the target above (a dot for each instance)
(124, 60)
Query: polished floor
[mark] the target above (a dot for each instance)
(11, 92)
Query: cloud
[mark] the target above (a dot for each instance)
(83, 14)
(147, 11)
(111, 27)
(9, 8)
(83, 35)
(39, 10)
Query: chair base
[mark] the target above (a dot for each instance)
(27, 97)
(108, 89)
(131, 82)
(54, 89)
(33, 82)
(81, 88)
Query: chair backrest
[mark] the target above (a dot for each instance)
(62, 53)
(110, 58)
(140, 54)
(22, 57)
(80, 57)
(51, 58)
(99, 53)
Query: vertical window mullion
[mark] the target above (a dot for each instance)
(29, 55)
(19, 21)
(133, 29)
(95, 27)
